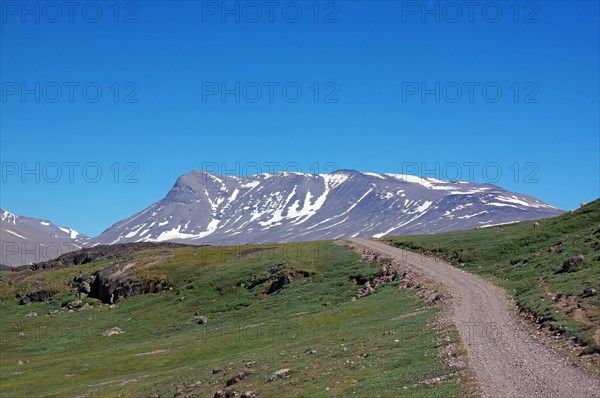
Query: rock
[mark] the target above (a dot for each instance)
(215, 371)
(250, 394)
(81, 295)
(20, 363)
(37, 296)
(24, 300)
(86, 307)
(85, 287)
(310, 351)
(557, 248)
(118, 280)
(278, 284)
(280, 374)
(112, 332)
(41, 295)
(572, 264)
(226, 394)
(237, 378)
(589, 292)
(75, 304)
(536, 224)
(328, 304)
(201, 320)
(31, 315)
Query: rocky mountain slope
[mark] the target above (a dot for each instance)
(205, 208)
(25, 240)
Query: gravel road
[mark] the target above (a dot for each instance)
(506, 359)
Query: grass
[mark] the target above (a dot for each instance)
(526, 260)
(163, 348)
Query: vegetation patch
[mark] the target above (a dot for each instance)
(551, 267)
(217, 331)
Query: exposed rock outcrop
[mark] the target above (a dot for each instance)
(119, 280)
(36, 296)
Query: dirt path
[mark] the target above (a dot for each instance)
(507, 360)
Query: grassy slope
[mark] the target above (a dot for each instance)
(518, 257)
(63, 355)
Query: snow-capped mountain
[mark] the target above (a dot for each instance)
(205, 208)
(25, 240)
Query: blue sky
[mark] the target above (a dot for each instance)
(385, 87)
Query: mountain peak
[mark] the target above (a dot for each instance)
(8, 217)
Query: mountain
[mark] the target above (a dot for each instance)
(282, 207)
(27, 240)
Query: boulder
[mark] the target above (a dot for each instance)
(572, 264)
(41, 295)
(280, 374)
(36, 296)
(24, 300)
(278, 284)
(112, 332)
(117, 280)
(85, 287)
(237, 378)
(227, 393)
(74, 304)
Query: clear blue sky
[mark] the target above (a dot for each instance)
(371, 61)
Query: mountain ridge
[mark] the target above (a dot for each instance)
(205, 208)
(27, 240)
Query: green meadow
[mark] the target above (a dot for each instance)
(387, 344)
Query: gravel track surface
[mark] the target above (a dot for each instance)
(506, 359)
